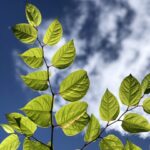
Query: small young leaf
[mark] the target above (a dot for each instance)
(36, 80)
(10, 143)
(25, 33)
(72, 118)
(75, 86)
(130, 91)
(7, 128)
(146, 105)
(33, 57)
(33, 15)
(111, 142)
(38, 110)
(34, 145)
(130, 146)
(93, 129)
(146, 84)
(109, 108)
(135, 123)
(64, 56)
(53, 33)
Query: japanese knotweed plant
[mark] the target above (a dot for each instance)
(73, 117)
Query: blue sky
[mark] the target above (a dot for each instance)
(112, 41)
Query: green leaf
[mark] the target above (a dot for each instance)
(146, 105)
(135, 123)
(21, 124)
(53, 33)
(25, 33)
(75, 86)
(72, 118)
(111, 142)
(93, 129)
(146, 84)
(7, 128)
(36, 80)
(109, 108)
(38, 110)
(64, 56)
(34, 145)
(130, 91)
(33, 15)
(10, 143)
(130, 146)
(33, 57)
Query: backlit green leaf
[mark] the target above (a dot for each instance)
(130, 146)
(34, 145)
(33, 15)
(111, 142)
(7, 128)
(25, 33)
(53, 33)
(72, 118)
(130, 91)
(75, 86)
(36, 80)
(109, 108)
(135, 123)
(146, 84)
(146, 105)
(38, 110)
(64, 56)
(10, 143)
(33, 57)
(93, 129)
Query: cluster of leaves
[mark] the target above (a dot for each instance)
(73, 117)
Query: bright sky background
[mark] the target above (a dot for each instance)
(112, 39)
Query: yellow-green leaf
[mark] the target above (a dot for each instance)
(75, 86)
(33, 15)
(7, 128)
(33, 57)
(146, 105)
(111, 142)
(93, 129)
(135, 123)
(130, 146)
(64, 56)
(25, 33)
(72, 118)
(146, 84)
(10, 143)
(109, 107)
(53, 33)
(36, 80)
(38, 110)
(130, 91)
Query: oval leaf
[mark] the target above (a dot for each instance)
(64, 56)
(53, 33)
(33, 57)
(111, 142)
(130, 91)
(109, 108)
(135, 123)
(36, 80)
(146, 84)
(75, 86)
(38, 110)
(25, 33)
(146, 105)
(10, 143)
(7, 128)
(130, 146)
(34, 145)
(93, 129)
(33, 15)
(72, 118)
